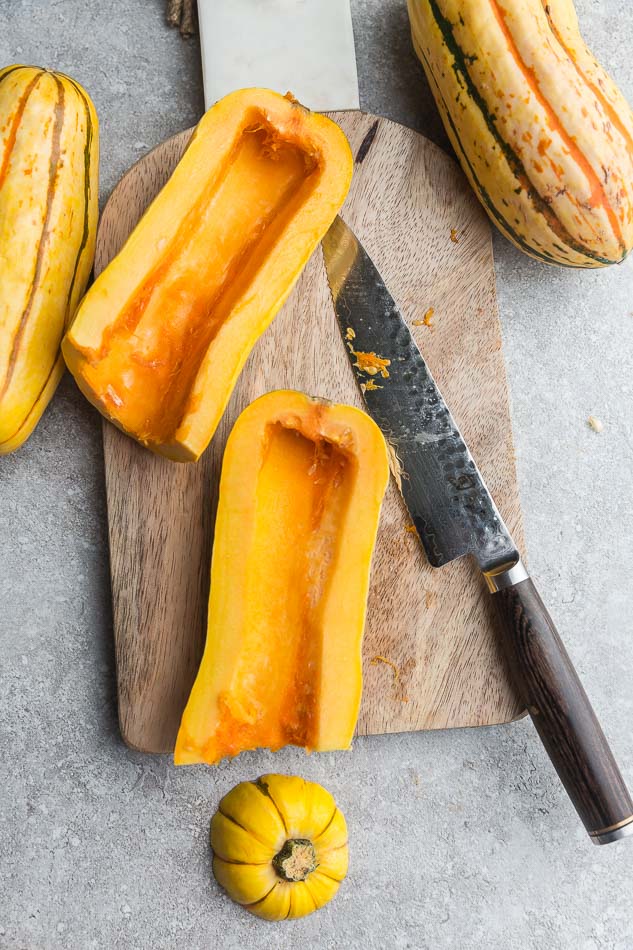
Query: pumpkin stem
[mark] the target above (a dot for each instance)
(296, 860)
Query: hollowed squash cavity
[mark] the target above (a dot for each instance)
(161, 337)
(301, 489)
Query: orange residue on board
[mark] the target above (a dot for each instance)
(369, 385)
(410, 528)
(427, 319)
(396, 672)
(371, 364)
(454, 236)
(349, 334)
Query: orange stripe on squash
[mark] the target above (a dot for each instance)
(58, 119)
(48, 217)
(613, 116)
(578, 209)
(15, 124)
(598, 197)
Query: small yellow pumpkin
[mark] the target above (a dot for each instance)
(279, 846)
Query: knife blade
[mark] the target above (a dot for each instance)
(455, 515)
(305, 46)
(447, 499)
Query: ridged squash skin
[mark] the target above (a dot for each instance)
(279, 846)
(300, 495)
(542, 132)
(48, 220)
(161, 336)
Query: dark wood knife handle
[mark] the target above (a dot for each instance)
(565, 720)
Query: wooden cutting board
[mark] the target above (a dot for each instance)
(436, 627)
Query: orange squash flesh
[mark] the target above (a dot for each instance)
(300, 495)
(161, 337)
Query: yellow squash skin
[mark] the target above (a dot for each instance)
(300, 494)
(48, 219)
(542, 132)
(161, 336)
(279, 846)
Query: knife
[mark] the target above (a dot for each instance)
(455, 515)
(305, 46)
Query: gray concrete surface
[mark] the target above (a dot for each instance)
(458, 839)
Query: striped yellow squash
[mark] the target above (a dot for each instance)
(542, 132)
(48, 220)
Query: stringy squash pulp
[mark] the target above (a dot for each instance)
(162, 335)
(300, 495)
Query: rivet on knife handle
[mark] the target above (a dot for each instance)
(455, 515)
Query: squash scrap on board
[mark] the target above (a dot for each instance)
(161, 337)
(49, 158)
(541, 130)
(279, 846)
(300, 495)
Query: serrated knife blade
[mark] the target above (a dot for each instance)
(455, 515)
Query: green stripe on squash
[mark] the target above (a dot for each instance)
(588, 169)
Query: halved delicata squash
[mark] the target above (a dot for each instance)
(300, 494)
(48, 221)
(162, 335)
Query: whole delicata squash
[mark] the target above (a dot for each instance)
(300, 494)
(163, 333)
(48, 220)
(541, 130)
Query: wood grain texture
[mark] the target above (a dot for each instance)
(439, 628)
(561, 711)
